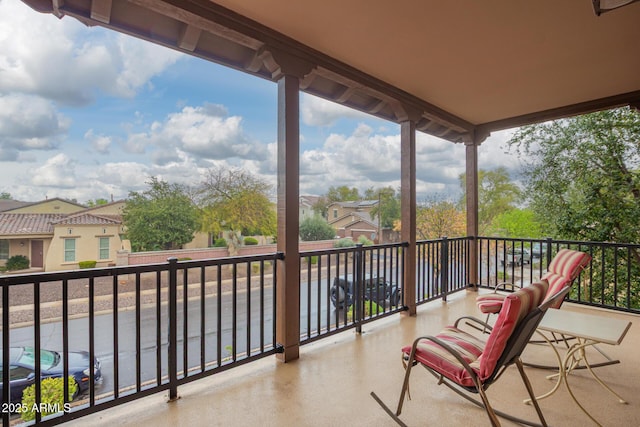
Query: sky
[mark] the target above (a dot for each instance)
(88, 113)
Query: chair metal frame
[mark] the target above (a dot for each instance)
(516, 343)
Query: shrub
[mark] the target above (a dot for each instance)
(365, 242)
(370, 308)
(316, 228)
(52, 397)
(17, 262)
(343, 243)
(87, 264)
(250, 241)
(220, 243)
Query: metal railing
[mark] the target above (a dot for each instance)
(345, 288)
(442, 267)
(156, 327)
(153, 327)
(611, 280)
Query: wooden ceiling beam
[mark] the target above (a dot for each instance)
(189, 38)
(101, 10)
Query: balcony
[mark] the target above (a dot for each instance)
(204, 331)
(331, 382)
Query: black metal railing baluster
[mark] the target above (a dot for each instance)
(203, 318)
(185, 322)
(114, 316)
(138, 335)
(92, 343)
(158, 328)
(37, 347)
(172, 356)
(249, 272)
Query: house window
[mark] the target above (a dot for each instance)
(335, 213)
(69, 250)
(104, 248)
(4, 249)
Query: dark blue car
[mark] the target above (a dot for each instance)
(22, 369)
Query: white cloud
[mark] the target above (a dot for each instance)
(28, 123)
(58, 171)
(205, 132)
(494, 152)
(100, 143)
(316, 111)
(68, 62)
(363, 159)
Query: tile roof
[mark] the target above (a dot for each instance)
(89, 219)
(22, 224)
(32, 223)
(356, 203)
(8, 204)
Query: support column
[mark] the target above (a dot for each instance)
(288, 273)
(288, 71)
(471, 191)
(408, 210)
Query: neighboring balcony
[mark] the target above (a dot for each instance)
(205, 331)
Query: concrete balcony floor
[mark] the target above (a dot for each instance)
(330, 384)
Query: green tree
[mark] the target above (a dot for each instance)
(388, 208)
(97, 202)
(342, 194)
(583, 175)
(584, 180)
(236, 201)
(316, 228)
(437, 217)
(160, 218)
(496, 195)
(5, 196)
(519, 223)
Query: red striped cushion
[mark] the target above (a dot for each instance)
(564, 268)
(440, 360)
(481, 357)
(490, 303)
(516, 306)
(569, 263)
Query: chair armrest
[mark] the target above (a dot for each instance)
(504, 286)
(482, 323)
(449, 349)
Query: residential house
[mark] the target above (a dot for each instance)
(305, 207)
(353, 219)
(57, 234)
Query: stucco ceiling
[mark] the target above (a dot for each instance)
(467, 66)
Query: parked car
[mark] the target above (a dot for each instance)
(517, 256)
(538, 250)
(22, 369)
(376, 289)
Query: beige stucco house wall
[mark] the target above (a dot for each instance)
(56, 234)
(72, 243)
(200, 240)
(53, 206)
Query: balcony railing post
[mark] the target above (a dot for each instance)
(548, 242)
(444, 268)
(5, 350)
(358, 303)
(172, 357)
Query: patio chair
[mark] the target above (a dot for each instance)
(467, 364)
(562, 271)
